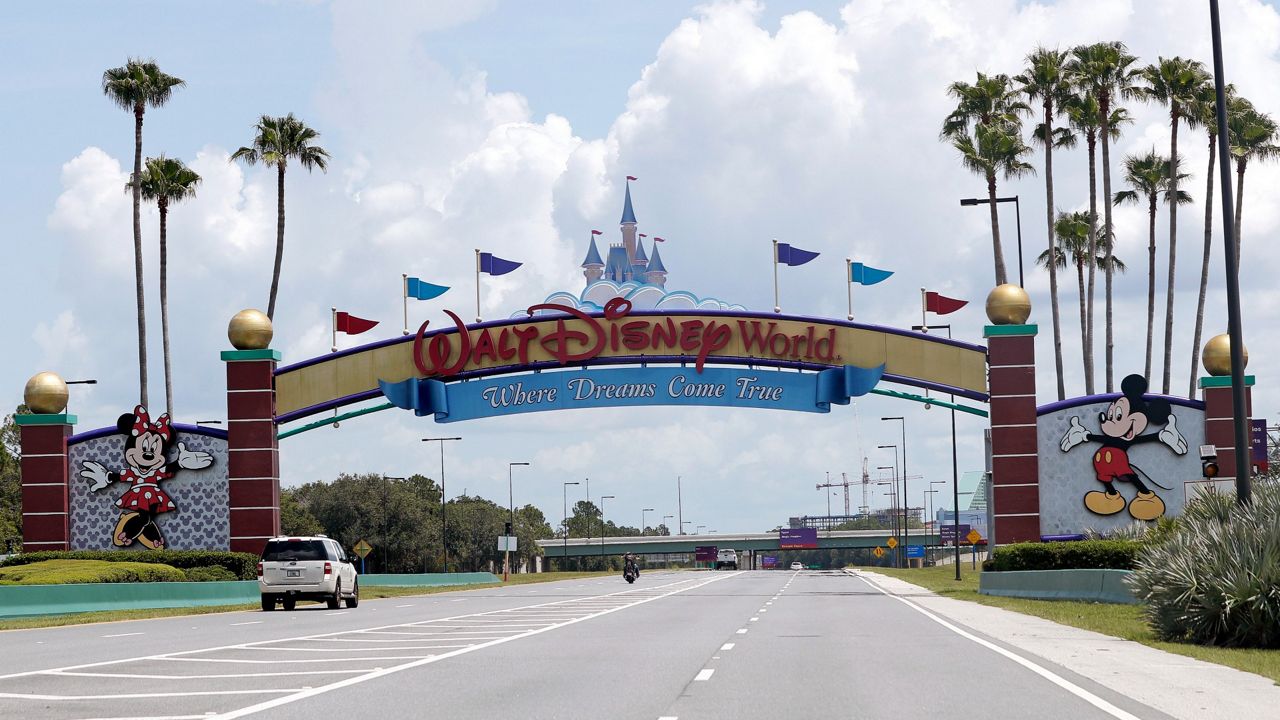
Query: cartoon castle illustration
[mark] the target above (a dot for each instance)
(627, 260)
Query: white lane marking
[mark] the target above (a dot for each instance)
(727, 646)
(1052, 677)
(742, 631)
(122, 635)
(277, 702)
(21, 696)
(704, 675)
(251, 622)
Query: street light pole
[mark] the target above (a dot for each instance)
(1018, 209)
(444, 548)
(906, 501)
(511, 508)
(564, 557)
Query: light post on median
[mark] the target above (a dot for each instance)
(564, 558)
(511, 508)
(444, 548)
(604, 527)
(1018, 208)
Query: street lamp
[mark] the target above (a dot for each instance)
(511, 508)
(443, 547)
(1018, 207)
(604, 528)
(564, 558)
(906, 525)
(642, 512)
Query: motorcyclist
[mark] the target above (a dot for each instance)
(629, 562)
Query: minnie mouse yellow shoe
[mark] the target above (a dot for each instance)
(1103, 503)
(1146, 506)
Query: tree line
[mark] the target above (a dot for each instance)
(1079, 95)
(141, 84)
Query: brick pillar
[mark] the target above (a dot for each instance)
(1219, 423)
(253, 465)
(45, 492)
(1015, 464)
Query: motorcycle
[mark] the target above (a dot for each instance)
(630, 572)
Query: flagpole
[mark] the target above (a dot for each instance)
(404, 292)
(477, 284)
(924, 309)
(848, 278)
(333, 325)
(777, 307)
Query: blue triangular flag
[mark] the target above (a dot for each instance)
(416, 288)
(864, 275)
(493, 265)
(793, 256)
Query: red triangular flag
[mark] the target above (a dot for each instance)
(352, 325)
(941, 304)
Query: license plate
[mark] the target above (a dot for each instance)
(293, 573)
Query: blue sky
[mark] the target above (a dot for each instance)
(511, 125)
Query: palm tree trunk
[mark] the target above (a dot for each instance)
(1204, 269)
(1173, 249)
(275, 273)
(1240, 168)
(137, 254)
(1092, 260)
(997, 250)
(164, 303)
(1151, 277)
(1104, 106)
(1053, 246)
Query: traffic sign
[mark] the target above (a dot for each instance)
(973, 537)
(893, 543)
(879, 551)
(363, 548)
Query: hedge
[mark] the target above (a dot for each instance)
(62, 572)
(244, 566)
(1078, 555)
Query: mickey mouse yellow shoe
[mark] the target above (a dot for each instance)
(1103, 503)
(1146, 506)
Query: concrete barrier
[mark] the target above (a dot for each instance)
(1107, 586)
(27, 600)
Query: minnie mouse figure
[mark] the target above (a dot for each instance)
(1122, 425)
(145, 448)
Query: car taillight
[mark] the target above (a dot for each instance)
(328, 569)
(259, 569)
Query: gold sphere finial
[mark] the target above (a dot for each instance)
(1217, 355)
(45, 394)
(250, 330)
(1008, 305)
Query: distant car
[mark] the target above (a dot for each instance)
(727, 558)
(306, 568)
(797, 566)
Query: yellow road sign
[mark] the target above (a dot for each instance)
(893, 543)
(879, 551)
(973, 537)
(363, 548)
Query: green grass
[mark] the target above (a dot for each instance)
(61, 572)
(1122, 621)
(366, 593)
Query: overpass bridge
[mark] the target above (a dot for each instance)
(759, 542)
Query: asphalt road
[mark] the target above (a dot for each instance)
(726, 645)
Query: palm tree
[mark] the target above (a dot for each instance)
(1206, 109)
(166, 180)
(1174, 82)
(276, 140)
(1085, 118)
(1252, 135)
(1148, 177)
(1106, 69)
(136, 85)
(1045, 80)
(986, 128)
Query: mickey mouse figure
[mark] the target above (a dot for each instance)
(1122, 425)
(145, 448)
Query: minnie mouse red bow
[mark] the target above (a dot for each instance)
(142, 424)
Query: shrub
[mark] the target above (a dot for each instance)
(243, 565)
(209, 573)
(61, 572)
(1081, 554)
(1215, 580)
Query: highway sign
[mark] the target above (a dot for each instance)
(973, 537)
(362, 548)
(915, 551)
(506, 543)
(893, 543)
(879, 551)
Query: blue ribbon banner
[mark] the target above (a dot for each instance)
(631, 387)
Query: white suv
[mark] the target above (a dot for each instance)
(727, 558)
(306, 568)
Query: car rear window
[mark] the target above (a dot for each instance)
(285, 550)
